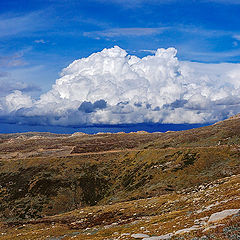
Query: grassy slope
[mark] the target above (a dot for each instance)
(48, 174)
(155, 216)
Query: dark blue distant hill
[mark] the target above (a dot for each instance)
(148, 127)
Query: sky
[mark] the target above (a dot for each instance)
(74, 62)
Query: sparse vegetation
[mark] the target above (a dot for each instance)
(106, 185)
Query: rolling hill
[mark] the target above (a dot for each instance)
(119, 186)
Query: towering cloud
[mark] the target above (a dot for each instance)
(113, 87)
(17, 100)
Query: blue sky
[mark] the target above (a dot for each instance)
(40, 37)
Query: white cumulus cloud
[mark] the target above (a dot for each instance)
(112, 87)
(17, 100)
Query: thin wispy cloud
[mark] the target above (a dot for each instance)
(115, 32)
(21, 24)
(136, 3)
(199, 30)
(237, 37)
(198, 52)
(144, 31)
(140, 3)
(212, 56)
(224, 1)
(12, 60)
(131, 3)
(15, 59)
(148, 51)
(41, 41)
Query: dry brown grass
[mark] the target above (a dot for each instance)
(154, 216)
(113, 184)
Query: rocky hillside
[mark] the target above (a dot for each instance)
(112, 186)
(210, 211)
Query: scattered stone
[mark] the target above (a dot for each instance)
(162, 237)
(186, 230)
(139, 235)
(212, 227)
(223, 214)
(125, 234)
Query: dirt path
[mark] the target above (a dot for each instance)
(105, 152)
(138, 150)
